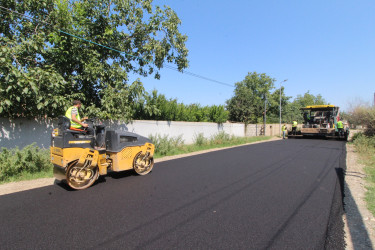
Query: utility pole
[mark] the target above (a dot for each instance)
(265, 116)
(280, 107)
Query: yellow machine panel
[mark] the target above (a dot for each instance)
(103, 164)
(62, 157)
(319, 106)
(124, 159)
(318, 130)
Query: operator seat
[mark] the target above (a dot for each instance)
(69, 138)
(64, 125)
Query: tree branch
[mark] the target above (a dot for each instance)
(15, 59)
(109, 6)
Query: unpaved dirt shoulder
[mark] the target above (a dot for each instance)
(359, 222)
(19, 186)
(14, 187)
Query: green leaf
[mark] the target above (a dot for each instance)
(34, 88)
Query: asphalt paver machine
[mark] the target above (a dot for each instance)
(320, 121)
(79, 159)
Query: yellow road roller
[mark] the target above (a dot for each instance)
(79, 159)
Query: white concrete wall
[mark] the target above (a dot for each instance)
(22, 132)
(188, 130)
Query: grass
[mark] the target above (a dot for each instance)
(33, 163)
(220, 140)
(29, 176)
(369, 161)
(366, 149)
(195, 148)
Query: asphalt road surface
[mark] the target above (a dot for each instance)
(273, 195)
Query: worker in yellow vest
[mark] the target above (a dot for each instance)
(340, 127)
(294, 127)
(75, 120)
(284, 129)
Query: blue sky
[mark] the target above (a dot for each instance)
(326, 47)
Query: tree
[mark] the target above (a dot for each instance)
(247, 104)
(171, 110)
(273, 111)
(292, 110)
(28, 86)
(47, 60)
(217, 114)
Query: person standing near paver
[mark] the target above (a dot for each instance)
(340, 127)
(283, 129)
(294, 127)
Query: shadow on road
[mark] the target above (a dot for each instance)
(101, 179)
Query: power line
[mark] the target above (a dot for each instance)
(198, 76)
(121, 52)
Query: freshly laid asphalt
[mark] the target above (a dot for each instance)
(274, 195)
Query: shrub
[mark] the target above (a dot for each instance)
(357, 135)
(364, 143)
(220, 138)
(200, 140)
(363, 115)
(165, 145)
(16, 162)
